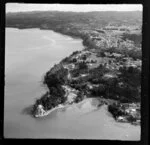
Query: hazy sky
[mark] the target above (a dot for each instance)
(15, 7)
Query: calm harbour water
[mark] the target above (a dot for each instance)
(29, 54)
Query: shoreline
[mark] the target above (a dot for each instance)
(39, 28)
(49, 111)
(79, 104)
(88, 105)
(78, 36)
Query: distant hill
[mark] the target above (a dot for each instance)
(72, 20)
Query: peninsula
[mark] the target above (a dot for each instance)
(108, 68)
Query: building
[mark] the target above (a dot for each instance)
(40, 111)
(121, 118)
(71, 66)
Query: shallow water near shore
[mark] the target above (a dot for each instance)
(29, 54)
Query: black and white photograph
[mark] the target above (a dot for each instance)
(73, 71)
